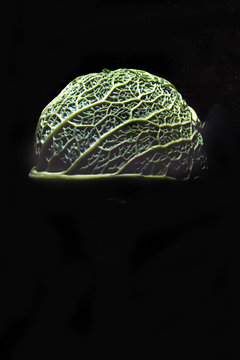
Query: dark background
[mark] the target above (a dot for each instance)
(121, 268)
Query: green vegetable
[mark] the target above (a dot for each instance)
(118, 123)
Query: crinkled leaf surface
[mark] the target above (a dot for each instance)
(119, 123)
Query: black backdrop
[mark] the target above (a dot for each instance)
(121, 268)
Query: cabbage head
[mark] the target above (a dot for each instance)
(121, 123)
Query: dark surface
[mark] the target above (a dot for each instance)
(121, 268)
